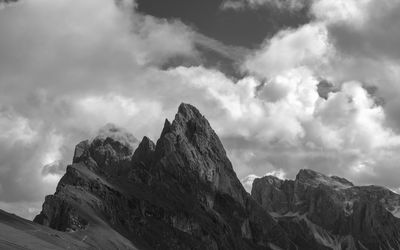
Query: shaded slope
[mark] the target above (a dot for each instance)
(18, 233)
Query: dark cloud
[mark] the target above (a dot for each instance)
(244, 28)
(376, 37)
(325, 88)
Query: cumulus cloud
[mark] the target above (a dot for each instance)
(307, 45)
(351, 129)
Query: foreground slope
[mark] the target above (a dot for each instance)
(180, 193)
(321, 212)
(18, 233)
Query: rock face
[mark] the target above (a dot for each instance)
(321, 212)
(180, 193)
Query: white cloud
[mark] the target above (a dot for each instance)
(15, 128)
(247, 181)
(352, 44)
(279, 173)
(307, 45)
(353, 11)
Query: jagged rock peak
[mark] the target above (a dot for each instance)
(190, 125)
(144, 151)
(81, 151)
(111, 150)
(146, 143)
(188, 111)
(190, 143)
(191, 121)
(166, 129)
(118, 138)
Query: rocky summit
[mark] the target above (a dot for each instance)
(182, 193)
(321, 212)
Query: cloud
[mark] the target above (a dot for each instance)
(307, 45)
(56, 168)
(351, 131)
(247, 182)
(343, 11)
(118, 134)
(67, 69)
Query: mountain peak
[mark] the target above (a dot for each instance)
(111, 149)
(307, 173)
(190, 142)
(314, 178)
(144, 152)
(116, 137)
(189, 111)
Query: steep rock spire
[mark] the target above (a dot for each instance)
(190, 145)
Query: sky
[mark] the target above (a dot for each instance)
(286, 84)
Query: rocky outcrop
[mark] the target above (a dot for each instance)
(331, 211)
(180, 193)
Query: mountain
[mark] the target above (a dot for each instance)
(321, 212)
(178, 193)
(182, 193)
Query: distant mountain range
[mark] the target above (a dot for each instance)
(182, 193)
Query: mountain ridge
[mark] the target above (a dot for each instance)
(338, 214)
(183, 193)
(178, 193)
